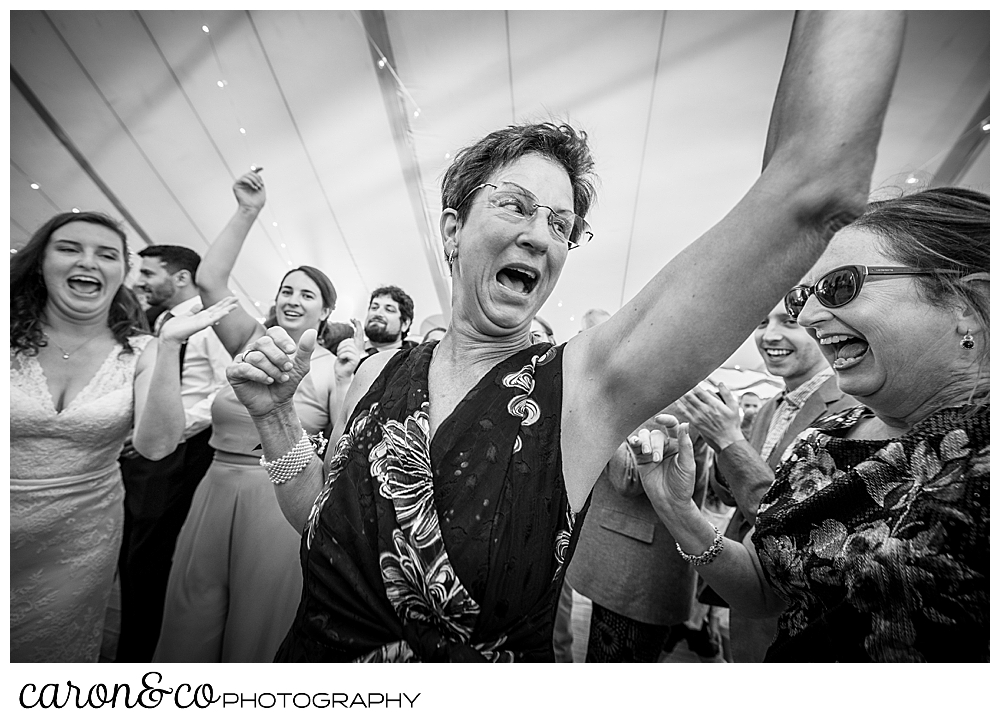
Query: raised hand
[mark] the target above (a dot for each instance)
(179, 328)
(266, 375)
(348, 358)
(665, 461)
(249, 190)
(718, 420)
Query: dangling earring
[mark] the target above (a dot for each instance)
(451, 260)
(967, 341)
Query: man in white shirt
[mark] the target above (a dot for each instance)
(158, 493)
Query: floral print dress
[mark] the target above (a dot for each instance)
(449, 549)
(881, 548)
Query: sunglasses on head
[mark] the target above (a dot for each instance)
(842, 285)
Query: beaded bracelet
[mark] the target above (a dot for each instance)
(291, 462)
(708, 555)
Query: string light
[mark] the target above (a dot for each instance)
(75, 210)
(35, 186)
(13, 251)
(381, 63)
(221, 83)
(911, 179)
(986, 126)
(243, 131)
(204, 28)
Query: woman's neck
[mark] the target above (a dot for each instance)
(896, 421)
(59, 322)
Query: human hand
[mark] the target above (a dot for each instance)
(178, 328)
(665, 461)
(718, 420)
(348, 356)
(267, 374)
(249, 190)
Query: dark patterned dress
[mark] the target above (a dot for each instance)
(444, 551)
(881, 548)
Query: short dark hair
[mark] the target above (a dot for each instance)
(744, 395)
(174, 258)
(28, 294)
(401, 298)
(562, 144)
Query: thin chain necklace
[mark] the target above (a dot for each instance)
(66, 354)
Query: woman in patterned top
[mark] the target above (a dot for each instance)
(873, 540)
(441, 529)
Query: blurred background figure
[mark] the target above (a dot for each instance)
(593, 317)
(541, 331)
(390, 314)
(749, 406)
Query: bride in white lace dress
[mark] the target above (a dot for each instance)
(81, 372)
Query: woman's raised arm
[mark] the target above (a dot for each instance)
(239, 328)
(819, 156)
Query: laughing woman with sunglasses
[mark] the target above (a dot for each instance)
(441, 530)
(873, 540)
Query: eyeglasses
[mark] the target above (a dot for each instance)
(517, 203)
(842, 285)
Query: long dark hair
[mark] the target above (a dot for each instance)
(28, 294)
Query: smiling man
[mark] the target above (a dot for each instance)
(390, 313)
(743, 467)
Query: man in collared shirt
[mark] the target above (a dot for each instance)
(744, 467)
(158, 493)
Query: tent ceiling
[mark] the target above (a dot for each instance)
(676, 104)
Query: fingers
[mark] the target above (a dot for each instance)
(685, 448)
(359, 334)
(347, 350)
(727, 396)
(306, 347)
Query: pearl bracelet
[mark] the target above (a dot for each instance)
(708, 555)
(291, 462)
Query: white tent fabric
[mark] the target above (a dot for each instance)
(151, 115)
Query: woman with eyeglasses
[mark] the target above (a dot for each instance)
(235, 580)
(873, 540)
(441, 530)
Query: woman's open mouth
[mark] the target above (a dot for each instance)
(847, 350)
(519, 280)
(84, 285)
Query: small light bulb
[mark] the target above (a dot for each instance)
(986, 127)
(76, 210)
(416, 113)
(274, 223)
(220, 83)
(381, 63)
(34, 186)
(256, 303)
(13, 251)
(572, 318)
(447, 156)
(559, 304)
(282, 245)
(911, 179)
(204, 28)
(243, 131)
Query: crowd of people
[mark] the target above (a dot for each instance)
(305, 490)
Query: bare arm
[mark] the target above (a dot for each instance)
(239, 328)
(159, 410)
(819, 156)
(747, 476)
(669, 482)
